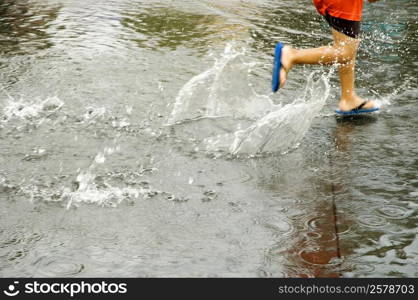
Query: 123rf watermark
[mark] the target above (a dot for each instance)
(71, 289)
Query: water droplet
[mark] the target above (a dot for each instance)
(100, 158)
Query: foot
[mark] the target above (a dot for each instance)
(286, 64)
(347, 104)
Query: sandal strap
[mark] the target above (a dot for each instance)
(361, 105)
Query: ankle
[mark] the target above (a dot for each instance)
(348, 96)
(288, 58)
(293, 57)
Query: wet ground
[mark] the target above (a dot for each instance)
(95, 181)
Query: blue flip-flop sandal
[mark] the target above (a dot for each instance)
(357, 110)
(277, 65)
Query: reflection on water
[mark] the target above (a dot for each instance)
(382, 210)
(157, 26)
(168, 27)
(24, 26)
(93, 182)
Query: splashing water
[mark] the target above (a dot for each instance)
(88, 192)
(93, 113)
(259, 125)
(221, 91)
(36, 109)
(105, 195)
(281, 129)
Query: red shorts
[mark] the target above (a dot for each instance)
(344, 9)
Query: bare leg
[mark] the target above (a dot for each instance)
(343, 52)
(349, 98)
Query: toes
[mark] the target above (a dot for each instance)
(283, 76)
(371, 104)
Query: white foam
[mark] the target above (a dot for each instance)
(93, 113)
(89, 193)
(36, 109)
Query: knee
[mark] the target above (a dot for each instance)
(346, 53)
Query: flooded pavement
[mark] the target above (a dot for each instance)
(140, 138)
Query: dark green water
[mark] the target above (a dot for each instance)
(93, 182)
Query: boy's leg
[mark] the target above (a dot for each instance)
(346, 70)
(343, 51)
(337, 53)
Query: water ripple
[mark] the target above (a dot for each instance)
(320, 256)
(372, 221)
(393, 212)
(57, 266)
